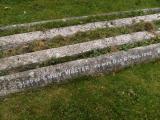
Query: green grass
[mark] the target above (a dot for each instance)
(51, 25)
(130, 94)
(20, 11)
(133, 93)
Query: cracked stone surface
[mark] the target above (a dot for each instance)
(62, 72)
(71, 50)
(7, 42)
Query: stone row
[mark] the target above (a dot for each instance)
(12, 41)
(26, 25)
(75, 49)
(62, 72)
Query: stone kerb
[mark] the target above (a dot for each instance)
(71, 50)
(62, 72)
(26, 25)
(7, 42)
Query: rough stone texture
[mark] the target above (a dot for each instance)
(60, 73)
(11, 41)
(70, 50)
(26, 25)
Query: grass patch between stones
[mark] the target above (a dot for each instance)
(77, 38)
(93, 53)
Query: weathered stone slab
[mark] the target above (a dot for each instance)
(11, 41)
(70, 50)
(26, 25)
(60, 73)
